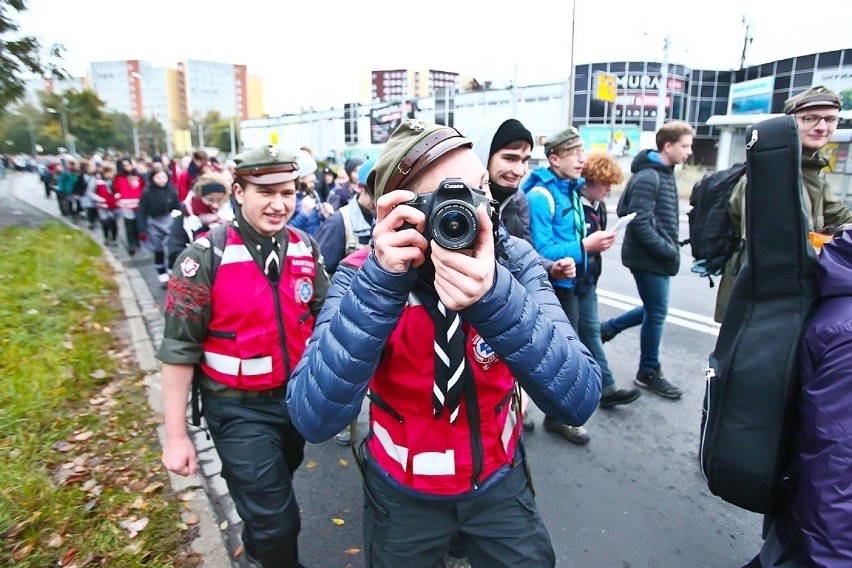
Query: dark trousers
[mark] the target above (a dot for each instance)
(131, 235)
(260, 450)
(501, 528)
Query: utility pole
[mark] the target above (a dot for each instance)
(746, 41)
(663, 89)
(571, 63)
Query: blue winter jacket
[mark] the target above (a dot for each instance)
(519, 317)
(557, 231)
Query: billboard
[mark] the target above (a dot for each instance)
(619, 141)
(383, 121)
(752, 97)
(838, 80)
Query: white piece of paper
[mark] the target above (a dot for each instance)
(623, 222)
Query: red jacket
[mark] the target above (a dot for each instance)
(127, 190)
(428, 455)
(183, 185)
(106, 198)
(250, 345)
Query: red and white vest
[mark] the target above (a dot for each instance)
(255, 340)
(429, 455)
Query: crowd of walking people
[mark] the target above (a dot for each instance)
(345, 294)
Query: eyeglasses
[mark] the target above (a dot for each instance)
(575, 152)
(813, 120)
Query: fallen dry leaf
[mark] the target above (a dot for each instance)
(344, 462)
(134, 527)
(23, 552)
(311, 464)
(55, 541)
(352, 550)
(223, 525)
(239, 551)
(192, 519)
(83, 436)
(338, 522)
(152, 488)
(68, 557)
(62, 447)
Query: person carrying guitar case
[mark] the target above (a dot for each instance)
(750, 414)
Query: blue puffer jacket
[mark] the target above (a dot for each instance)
(520, 319)
(557, 231)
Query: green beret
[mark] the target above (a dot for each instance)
(563, 140)
(818, 96)
(266, 165)
(412, 146)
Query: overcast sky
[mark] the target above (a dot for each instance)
(315, 53)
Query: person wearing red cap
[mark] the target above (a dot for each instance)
(234, 330)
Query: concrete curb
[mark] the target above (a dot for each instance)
(137, 304)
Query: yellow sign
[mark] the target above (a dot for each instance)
(605, 87)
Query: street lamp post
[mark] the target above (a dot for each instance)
(69, 139)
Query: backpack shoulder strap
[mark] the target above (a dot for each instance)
(218, 236)
(550, 201)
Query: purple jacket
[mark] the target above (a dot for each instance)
(822, 506)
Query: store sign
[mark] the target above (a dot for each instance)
(751, 97)
(838, 80)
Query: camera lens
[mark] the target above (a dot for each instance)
(454, 225)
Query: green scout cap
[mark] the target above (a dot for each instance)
(563, 140)
(818, 96)
(412, 146)
(267, 165)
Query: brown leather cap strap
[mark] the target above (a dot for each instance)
(263, 170)
(424, 153)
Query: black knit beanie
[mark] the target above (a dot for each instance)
(509, 131)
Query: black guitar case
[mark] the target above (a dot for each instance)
(750, 413)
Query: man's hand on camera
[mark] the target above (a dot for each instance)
(564, 268)
(463, 277)
(399, 249)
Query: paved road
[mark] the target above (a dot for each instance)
(634, 497)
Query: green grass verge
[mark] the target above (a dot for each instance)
(80, 478)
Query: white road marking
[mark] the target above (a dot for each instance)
(682, 318)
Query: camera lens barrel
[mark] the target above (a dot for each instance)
(454, 225)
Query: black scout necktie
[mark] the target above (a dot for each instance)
(269, 255)
(450, 363)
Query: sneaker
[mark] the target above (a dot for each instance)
(619, 396)
(654, 381)
(164, 280)
(574, 434)
(528, 423)
(344, 437)
(606, 335)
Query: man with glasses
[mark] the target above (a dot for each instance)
(558, 231)
(817, 113)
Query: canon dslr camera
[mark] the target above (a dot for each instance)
(450, 211)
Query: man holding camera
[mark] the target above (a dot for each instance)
(438, 334)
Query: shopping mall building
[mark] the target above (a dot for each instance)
(718, 104)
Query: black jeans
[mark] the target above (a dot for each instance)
(260, 450)
(501, 528)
